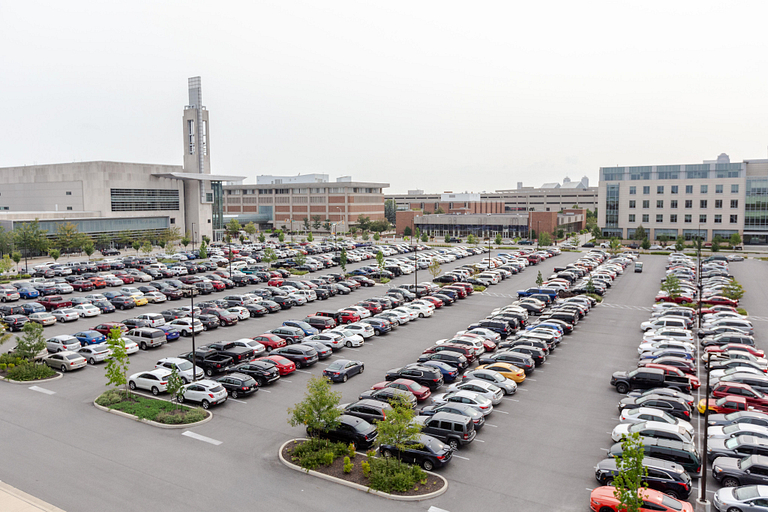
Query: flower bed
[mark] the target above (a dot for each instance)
(150, 409)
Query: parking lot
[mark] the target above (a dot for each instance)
(537, 451)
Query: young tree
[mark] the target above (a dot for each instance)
(597, 232)
(88, 249)
(365, 236)
(671, 285)
(498, 239)
(175, 384)
(439, 210)
(103, 241)
(310, 237)
(545, 238)
(539, 279)
(203, 254)
(343, 260)
(640, 233)
(30, 237)
(116, 368)
(416, 233)
(146, 247)
(206, 239)
(281, 236)
(645, 244)
(305, 220)
(6, 241)
(615, 247)
(55, 254)
(434, 268)
(716, 241)
(125, 238)
(300, 258)
(31, 342)
(471, 239)
(590, 286)
(575, 240)
(399, 429)
(66, 236)
(262, 238)
(735, 239)
(16, 257)
(186, 240)
(319, 410)
(733, 290)
(679, 244)
(317, 221)
(407, 231)
(631, 474)
(6, 264)
(447, 239)
(380, 260)
(327, 225)
(390, 209)
(377, 236)
(363, 222)
(424, 238)
(136, 246)
(269, 256)
(250, 230)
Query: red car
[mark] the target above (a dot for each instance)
(467, 287)
(98, 282)
(716, 349)
(602, 499)
(718, 309)
(464, 350)
(82, 286)
(420, 392)
(663, 297)
(719, 300)
(753, 397)
(671, 370)
(275, 281)
(725, 405)
(458, 289)
(434, 300)
(373, 307)
(217, 285)
(312, 286)
(284, 366)
(271, 341)
(108, 326)
(348, 317)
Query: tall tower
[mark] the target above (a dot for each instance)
(199, 194)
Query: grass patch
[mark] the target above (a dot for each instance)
(151, 409)
(384, 280)
(742, 311)
(299, 272)
(595, 296)
(26, 371)
(478, 288)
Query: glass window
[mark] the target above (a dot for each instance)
(646, 204)
(645, 217)
(704, 189)
(703, 203)
(659, 189)
(689, 189)
(632, 204)
(718, 189)
(702, 218)
(632, 191)
(631, 217)
(137, 200)
(659, 217)
(734, 219)
(646, 189)
(674, 189)
(718, 219)
(689, 203)
(660, 203)
(718, 203)
(734, 189)
(688, 218)
(734, 203)
(673, 217)
(673, 203)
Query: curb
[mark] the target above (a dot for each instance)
(359, 487)
(58, 376)
(18, 500)
(150, 422)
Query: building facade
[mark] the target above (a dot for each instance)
(712, 198)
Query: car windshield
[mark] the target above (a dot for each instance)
(336, 365)
(72, 357)
(746, 493)
(183, 366)
(732, 443)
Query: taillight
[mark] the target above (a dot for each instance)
(440, 457)
(244, 388)
(163, 383)
(210, 395)
(466, 435)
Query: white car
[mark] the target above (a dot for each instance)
(350, 338)
(241, 312)
(95, 353)
(469, 398)
(258, 348)
(95, 297)
(44, 318)
(65, 361)
(667, 430)
(61, 343)
(184, 325)
(668, 333)
(423, 303)
(155, 319)
(332, 339)
(364, 330)
(113, 281)
(485, 333)
(177, 257)
(155, 297)
(412, 314)
(737, 429)
(87, 310)
(642, 414)
(64, 288)
(155, 380)
(131, 347)
(299, 299)
(183, 367)
(661, 345)
(310, 295)
(206, 392)
(480, 387)
(420, 310)
(66, 314)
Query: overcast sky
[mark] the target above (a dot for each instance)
(433, 95)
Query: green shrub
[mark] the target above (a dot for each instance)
(742, 311)
(298, 272)
(366, 466)
(29, 371)
(385, 280)
(390, 475)
(111, 397)
(3, 366)
(11, 366)
(347, 465)
(351, 448)
(478, 288)
(318, 452)
(151, 409)
(595, 296)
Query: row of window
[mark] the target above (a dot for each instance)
(687, 218)
(703, 203)
(283, 191)
(703, 189)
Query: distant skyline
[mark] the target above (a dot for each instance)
(423, 95)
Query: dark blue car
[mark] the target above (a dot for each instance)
(28, 293)
(304, 326)
(90, 337)
(171, 333)
(449, 372)
(342, 369)
(32, 307)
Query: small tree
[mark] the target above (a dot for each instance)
(733, 290)
(645, 244)
(716, 241)
(539, 279)
(300, 258)
(281, 237)
(631, 474)
(186, 240)
(365, 235)
(203, 250)
(206, 239)
(117, 364)
(377, 236)
(640, 233)
(434, 268)
(305, 220)
(424, 237)
(262, 238)
(146, 247)
(498, 239)
(575, 240)
(6, 264)
(407, 231)
(735, 239)
(31, 342)
(545, 238)
(615, 247)
(380, 260)
(310, 237)
(88, 249)
(343, 260)
(55, 254)
(319, 410)
(136, 246)
(250, 230)
(471, 239)
(679, 244)
(597, 232)
(591, 286)
(447, 239)
(175, 383)
(399, 429)
(317, 221)
(269, 256)
(327, 224)
(671, 285)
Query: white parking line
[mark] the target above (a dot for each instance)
(524, 389)
(606, 449)
(42, 390)
(532, 380)
(266, 391)
(236, 400)
(512, 399)
(353, 349)
(435, 509)
(460, 457)
(479, 440)
(204, 439)
(304, 371)
(288, 381)
(489, 425)
(501, 412)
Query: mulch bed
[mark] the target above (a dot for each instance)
(356, 476)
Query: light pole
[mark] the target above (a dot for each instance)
(194, 357)
(489, 249)
(193, 238)
(415, 258)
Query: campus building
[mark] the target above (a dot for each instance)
(716, 197)
(104, 197)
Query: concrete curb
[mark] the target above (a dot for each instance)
(359, 487)
(58, 376)
(152, 423)
(17, 500)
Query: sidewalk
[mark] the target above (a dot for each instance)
(14, 500)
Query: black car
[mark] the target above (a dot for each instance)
(499, 327)
(537, 354)
(238, 384)
(447, 300)
(734, 472)
(8, 309)
(123, 302)
(389, 395)
(283, 301)
(342, 369)
(456, 408)
(369, 410)
(15, 322)
(209, 322)
(263, 372)
(302, 355)
(523, 361)
(428, 376)
(664, 476)
(677, 407)
(350, 430)
(426, 451)
(133, 323)
(454, 359)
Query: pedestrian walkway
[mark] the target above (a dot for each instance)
(14, 500)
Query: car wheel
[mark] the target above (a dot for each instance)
(362, 369)
(185, 380)
(143, 346)
(185, 334)
(349, 344)
(730, 482)
(132, 385)
(606, 509)
(622, 388)
(344, 378)
(427, 465)
(180, 398)
(387, 454)
(208, 372)
(155, 391)
(673, 494)
(234, 393)
(206, 404)
(734, 509)
(63, 368)
(608, 481)
(91, 361)
(261, 382)
(453, 443)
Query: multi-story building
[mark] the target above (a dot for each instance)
(551, 197)
(285, 201)
(716, 197)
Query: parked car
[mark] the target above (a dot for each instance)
(206, 392)
(65, 361)
(350, 430)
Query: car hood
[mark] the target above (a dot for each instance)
(620, 430)
(619, 375)
(728, 463)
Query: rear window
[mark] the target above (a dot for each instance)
(216, 389)
(156, 334)
(72, 357)
(671, 503)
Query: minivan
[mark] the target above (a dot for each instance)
(454, 429)
(320, 323)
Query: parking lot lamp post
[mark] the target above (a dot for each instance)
(703, 478)
(415, 257)
(489, 249)
(194, 359)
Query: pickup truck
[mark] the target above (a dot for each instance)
(228, 348)
(209, 360)
(536, 291)
(52, 302)
(648, 378)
